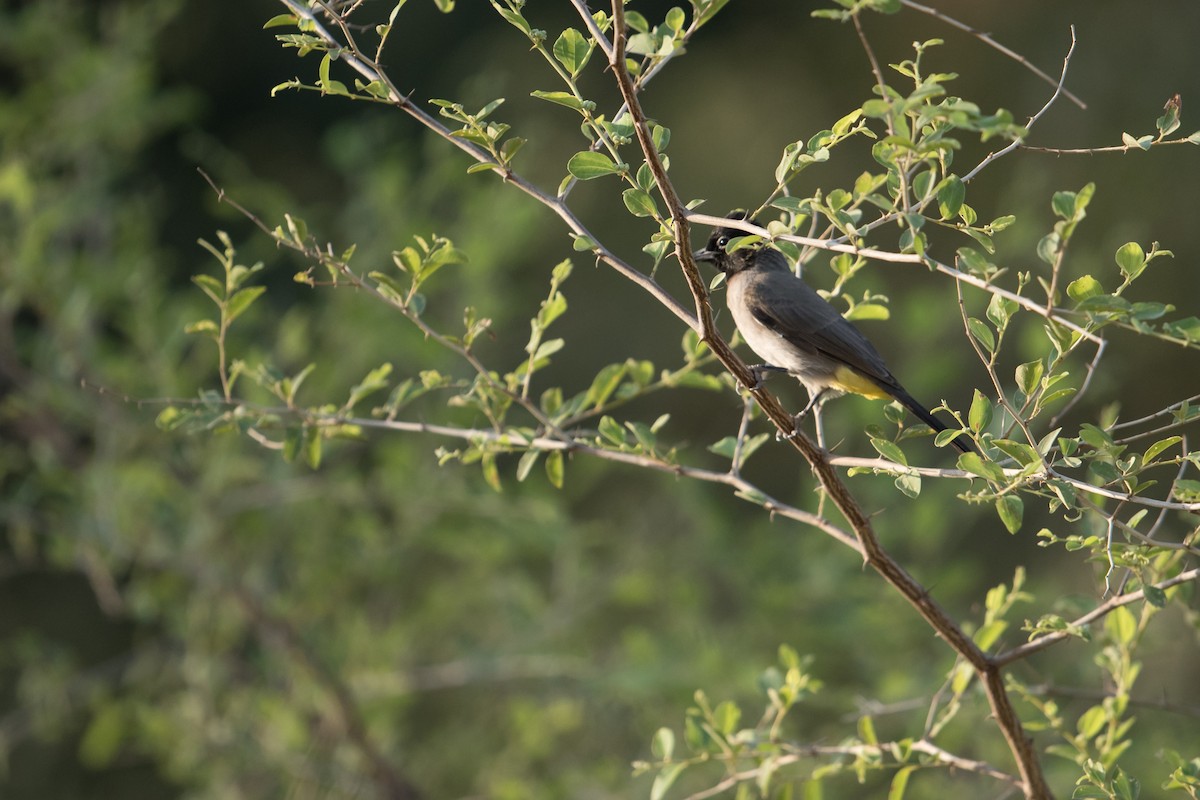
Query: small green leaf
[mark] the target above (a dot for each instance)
(491, 473)
(971, 462)
(900, 783)
(1029, 376)
(572, 51)
(312, 447)
(1156, 449)
(562, 98)
(1121, 625)
(1010, 508)
(640, 203)
(980, 415)
(664, 779)
(211, 286)
(1155, 596)
(1131, 258)
(587, 165)
(889, 450)
(873, 311)
(982, 333)
(201, 326)
(241, 300)
(516, 20)
(1091, 721)
(950, 197)
(909, 485)
(554, 468)
(663, 744)
(1081, 289)
(612, 430)
(525, 465)
(282, 20)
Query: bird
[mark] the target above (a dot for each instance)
(786, 322)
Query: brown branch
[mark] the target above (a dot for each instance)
(1032, 781)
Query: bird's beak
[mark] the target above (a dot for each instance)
(704, 257)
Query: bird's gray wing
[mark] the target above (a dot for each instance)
(792, 309)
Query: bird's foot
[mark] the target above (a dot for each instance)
(761, 372)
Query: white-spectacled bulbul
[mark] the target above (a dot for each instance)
(791, 326)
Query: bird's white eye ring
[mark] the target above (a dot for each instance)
(721, 242)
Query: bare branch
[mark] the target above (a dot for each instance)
(1099, 612)
(987, 39)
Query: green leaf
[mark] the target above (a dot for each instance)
(974, 261)
(663, 744)
(1029, 376)
(201, 326)
(525, 465)
(104, 736)
(312, 447)
(1131, 258)
(664, 779)
(868, 311)
(1156, 449)
(211, 286)
(1091, 722)
(900, 783)
(516, 20)
(1121, 625)
(604, 384)
(612, 430)
(950, 196)
(1081, 289)
(640, 203)
(1063, 204)
(980, 415)
(889, 450)
(587, 165)
(971, 462)
(989, 633)
(241, 300)
(282, 20)
(491, 473)
(1010, 508)
(554, 468)
(1048, 248)
(982, 333)
(572, 51)
(551, 310)
(675, 19)
(909, 485)
(866, 730)
(562, 98)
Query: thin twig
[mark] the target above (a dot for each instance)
(987, 39)
(1017, 143)
(1099, 612)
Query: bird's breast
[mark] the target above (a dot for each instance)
(769, 345)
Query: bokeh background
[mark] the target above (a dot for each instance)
(177, 611)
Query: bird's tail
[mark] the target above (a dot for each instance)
(962, 442)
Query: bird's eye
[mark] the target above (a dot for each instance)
(722, 242)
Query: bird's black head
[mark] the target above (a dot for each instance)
(715, 253)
